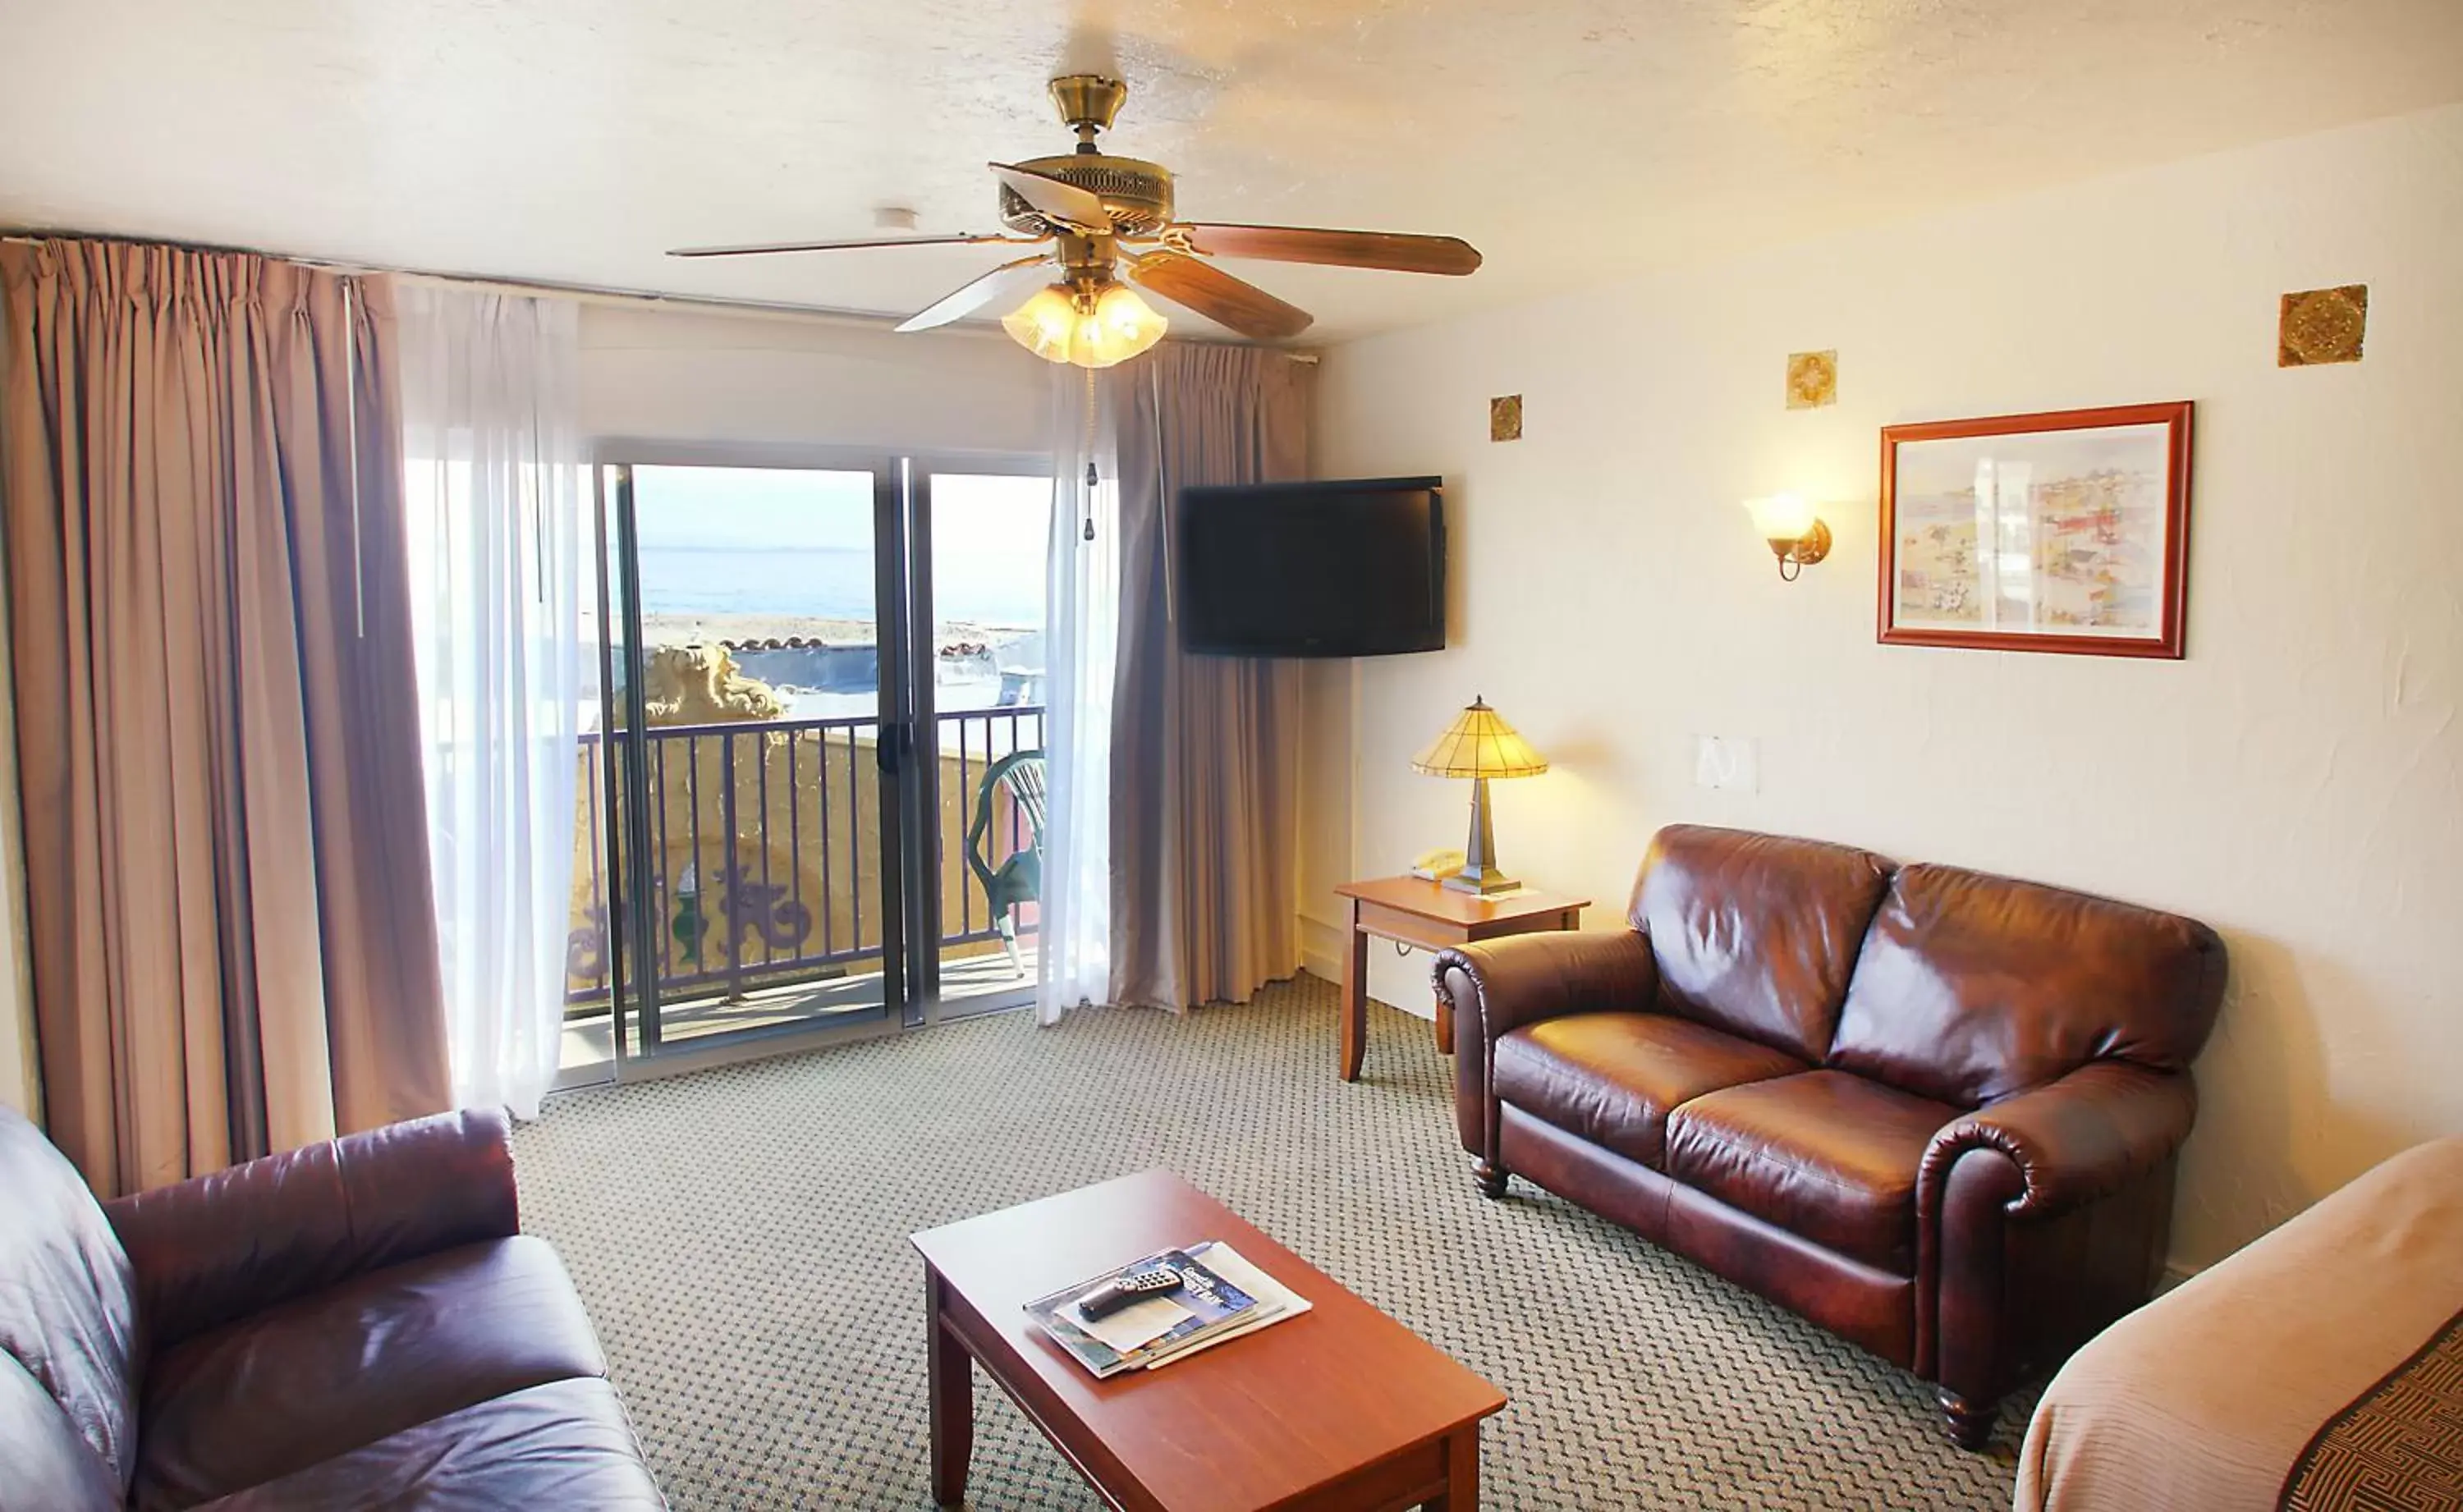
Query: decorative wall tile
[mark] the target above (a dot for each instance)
(1812, 379)
(2321, 325)
(1505, 417)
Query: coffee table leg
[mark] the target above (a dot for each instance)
(1462, 1473)
(1355, 997)
(951, 1371)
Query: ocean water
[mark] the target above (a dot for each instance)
(832, 583)
(824, 583)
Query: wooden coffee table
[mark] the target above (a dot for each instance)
(1339, 1408)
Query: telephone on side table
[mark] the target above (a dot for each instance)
(1436, 866)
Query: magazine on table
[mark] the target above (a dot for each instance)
(1220, 1296)
(1276, 1300)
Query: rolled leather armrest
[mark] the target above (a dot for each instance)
(1506, 983)
(2072, 1139)
(221, 1247)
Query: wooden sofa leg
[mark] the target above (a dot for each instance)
(1970, 1425)
(1491, 1179)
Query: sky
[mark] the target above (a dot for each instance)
(771, 508)
(719, 539)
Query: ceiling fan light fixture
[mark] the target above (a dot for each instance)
(1125, 325)
(1088, 328)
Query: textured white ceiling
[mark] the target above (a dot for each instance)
(1569, 140)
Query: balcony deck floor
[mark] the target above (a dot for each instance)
(968, 984)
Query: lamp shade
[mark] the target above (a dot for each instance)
(1479, 744)
(1782, 516)
(1091, 327)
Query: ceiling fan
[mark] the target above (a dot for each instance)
(1097, 219)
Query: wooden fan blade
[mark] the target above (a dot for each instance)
(755, 249)
(1217, 296)
(1396, 250)
(1058, 200)
(1017, 279)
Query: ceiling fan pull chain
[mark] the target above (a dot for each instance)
(1094, 480)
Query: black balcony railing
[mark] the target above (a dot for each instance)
(765, 857)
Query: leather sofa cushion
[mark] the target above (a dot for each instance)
(68, 1296)
(1756, 934)
(1613, 1077)
(46, 1466)
(565, 1445)
(1826, 1156)
(342, 1369)
(1972, 987)
(221, 1245)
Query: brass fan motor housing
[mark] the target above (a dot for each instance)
(1088, 103)
(1136, 193)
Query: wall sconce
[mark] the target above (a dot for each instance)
(1796, 535)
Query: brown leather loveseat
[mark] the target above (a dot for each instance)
(353, 1325)
(1933, 1110)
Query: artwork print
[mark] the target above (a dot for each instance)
(2041, 533)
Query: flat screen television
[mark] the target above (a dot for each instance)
(1348, 568)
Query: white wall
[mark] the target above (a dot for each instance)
(685, 375)
(2293, 782)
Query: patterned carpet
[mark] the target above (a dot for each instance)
(740, 1236)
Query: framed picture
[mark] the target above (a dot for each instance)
(2062, 531)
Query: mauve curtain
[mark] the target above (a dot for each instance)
(1205, 749)
(217, 725)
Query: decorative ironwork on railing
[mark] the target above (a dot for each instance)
(765, 850)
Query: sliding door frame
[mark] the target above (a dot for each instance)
(617, 457)
(909, 723)
(922, 695)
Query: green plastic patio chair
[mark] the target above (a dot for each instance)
(1019, 876)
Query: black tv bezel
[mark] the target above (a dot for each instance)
(1433, 487)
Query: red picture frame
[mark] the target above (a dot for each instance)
(2068, 570)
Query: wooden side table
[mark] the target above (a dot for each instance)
(1431, 917)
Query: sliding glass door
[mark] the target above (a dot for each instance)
(981, 551)
(813, 804)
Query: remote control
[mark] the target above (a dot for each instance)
(1135, 1286)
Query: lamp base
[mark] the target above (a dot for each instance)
(1486, 882)
(1479, 875)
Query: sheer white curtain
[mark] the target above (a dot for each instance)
(1082, 631)
(492, 454)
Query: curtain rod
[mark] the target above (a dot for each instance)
(582, 293)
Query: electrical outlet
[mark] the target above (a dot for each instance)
(1726, 761)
